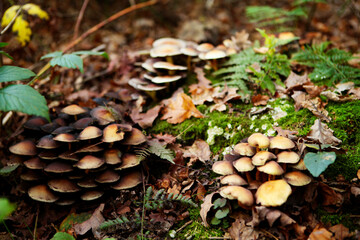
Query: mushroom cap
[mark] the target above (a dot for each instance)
(213, 54)
(281, 142)
(148, 65)
(65, 201)
(48, 155)
(162, 79)
(109, 176)
(83, 123)
(288, 157)
(73, 110)
(91, 195)
(35, 123)
(233, 180)
(259, 140)
(189, 51)
(30, 176)
(128, 160)
(261, 157)
(34, 163)
(42, 193)
(65, 137)
(90, 162)
(297, 178)
(165, 50)
(135, 137)
(103, 115)
(168, 66)
(169, 41)
(223, 168)
(129, 180)
(243, 195)
(271, 168)
(69, 155)
(90, 132)
(273, 193)
(48, 142)
(231, 51)
(244, 149)
(112, 156)
(58, 167)
(205, 47)
(243, 164)
(63, 185)
(112, 133)
(24, 148)
(87, 183)
(286, 35)
(63, 129)
(300, 165)
(90, 148)
(144, 85)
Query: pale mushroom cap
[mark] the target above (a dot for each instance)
(48, 142)
(148, 65)
(34, 163)
(273, 193)
(42, 193)
(91, 195)
(271, 168)
(65, 137)
(259, 140)
(65, 202)
(286, 35)
(90, 162)
(63, 185)
(25, 148)
(231, 51)
(129, 180)
(168, 66)
(205, 47)
(58, 167)
(300, 165)
(128, 160)
(244, 149)
(144, 85)
(281, 142)
(165, 79)
(90, 132)
(73, 110)
(135, 137)
(112, 156)
(189, 51)
(288, 157)
(165, 50)
(112, 133)
(223, 168)
(243, 164)
(233, 180)
(243, 195)
(109, 176)
(214, 54)
(297, 178)
(102, 115)
(169, 41)
(261, 157)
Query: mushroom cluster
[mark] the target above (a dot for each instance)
(79, 155)
(260, 168)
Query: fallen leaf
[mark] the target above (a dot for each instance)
(322, 133)
(180, 108)
(317, 107)
(355, 191)
(260, 100)
(240, 231)
(145, 120)
(205, 208)
(295, 81)
(261, 213)
(92, 223)
(201, 191)
(321, 234)
(340, 231)
(165, 138)
(329, 196)
(313, 90)
(286, 133)
(299, 97)
(355, 91)
(200, 150)
(333, 96)
(202, 91)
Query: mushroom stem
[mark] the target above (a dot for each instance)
(69, 146)
(258, 175)
(169, 59)
(152, 95)
(248, 177)
(243, 206)
(214, 64)
(188, 63)
(75, 117)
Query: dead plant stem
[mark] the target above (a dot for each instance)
(79, 19)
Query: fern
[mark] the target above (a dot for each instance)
(155, 148)
(330, 66)
(122, 220)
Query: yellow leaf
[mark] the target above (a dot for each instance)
(35, 10)
(9, 15)
(23, 30)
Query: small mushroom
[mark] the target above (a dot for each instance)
(135, 137)
(223, 168)
(48, 142)
(112, 156)
(35, 123)
(244, 164)
(63, 185)
(109, 176)
(245, 149)
(128, 160)
(42, 193)
(73, 110)
(271, 168)
(90, 162)
(261, 157)
(273, 193)
(129, 180)
(104, 115)
(280, 142)
(34, 163)
(112, 133)
(297, 178)
(259, 141)
(233, 180)
(242, 195)
(91, 195)
(90, 132)
(25, 148)
(58, 167)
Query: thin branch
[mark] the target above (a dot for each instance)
(79, 19)
(12, 20)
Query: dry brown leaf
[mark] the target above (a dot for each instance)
(166, 138)
(329, 196)
(333, 96)
(92, 223)
(202, 91)
(340, 231)
(313, 90)
(299, 97)
(240, 231)
(322, 133)
(200, 150)
(261, 213)
(355, 191)
(356, 92)
(286, 133)
(321, 234)
(317, 107)
(295, 81)
(180, 108)
(205, 208)
(145, 120)
(260, 100)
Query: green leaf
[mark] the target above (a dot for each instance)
(6, 208)
(215, 221)
(221, 213)
(62, 236)
(52, 55)
(13, 73)
(161, 151)
(23, 98)
(72, 219)
(6, 54)
(3, 44)
(8, 169)
(68, 60)
(316, 163)
(219, 203)
(104, 54)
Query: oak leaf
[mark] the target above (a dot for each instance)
(202, 91)
(200, 150)
(145, 120)
(321, 234)
(295, 81)
(322, 133)
(92, 223)
(205, 208)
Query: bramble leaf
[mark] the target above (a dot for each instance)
(13, 73)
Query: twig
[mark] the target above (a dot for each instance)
(12, 21)
(184, 226)
(143, 208)
(79, 19)
(220, 238)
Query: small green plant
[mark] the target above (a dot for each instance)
(6, 208)
(330, 65)
(222, 210)
(155, 148)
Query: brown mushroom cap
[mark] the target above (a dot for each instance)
(300, 165)
(102, 115)
(42, 193)
(261, 157)
(271, 168)
(243, 164)
(129, 180)
(62, 129)
(112, 133)
(244, 149)
(65, 137)
(35, 123)
(273, 193)
(223, 168)
(205, 47)
(48, 142)
(288, 157)
(25, 148)
(213, 54)
(91, 195)
(58, 167)
(87, 183)
(90, 148)
(233, 180)
(69, 155)
(297, 178)
(48, 155)
(90, 132)
(241, 194)
(109, 176)
(34, 163)
(135, 137)
(112, 156)
(162, 79)
(90, 162)
(30, 176)
(128, 160)
(65, 201)
(168, 66)
(281, 142)
(83, 123)
(73, 110)
(63, 185)
(259, 140)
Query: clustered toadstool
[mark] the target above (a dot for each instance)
(81, 154)
(258, 169)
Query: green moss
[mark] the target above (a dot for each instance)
(300, 121)
(333, 219)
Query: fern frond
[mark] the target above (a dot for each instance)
(161, 151)
(122, 220)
